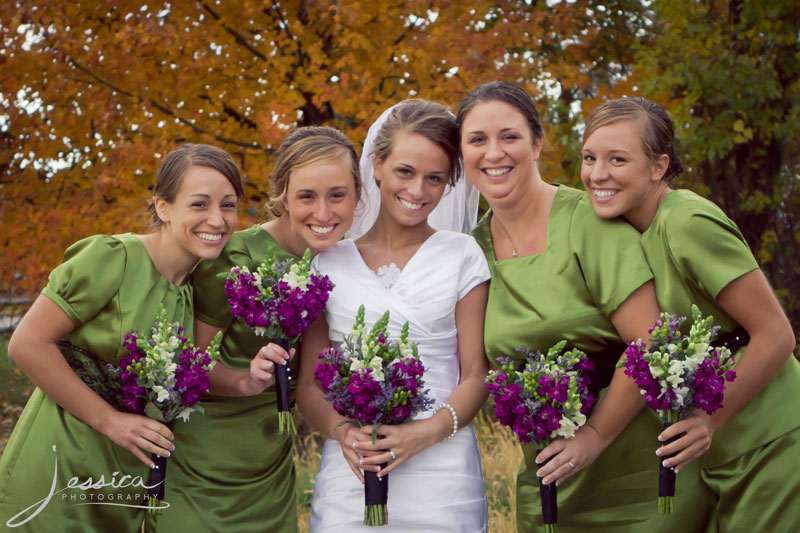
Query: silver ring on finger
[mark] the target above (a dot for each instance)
(394, 457)
(571, 464)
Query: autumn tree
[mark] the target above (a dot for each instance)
(95, 92)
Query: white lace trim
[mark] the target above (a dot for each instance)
(388, 274)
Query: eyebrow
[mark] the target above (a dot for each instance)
(204, 195)
(473, 132)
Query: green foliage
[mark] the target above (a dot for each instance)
(729, 74)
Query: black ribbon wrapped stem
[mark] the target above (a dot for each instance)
(282, 378)
(548, 494)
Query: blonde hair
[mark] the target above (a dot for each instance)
(304, 147)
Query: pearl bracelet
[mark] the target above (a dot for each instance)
(455, 418)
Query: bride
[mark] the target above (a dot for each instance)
(435, 280)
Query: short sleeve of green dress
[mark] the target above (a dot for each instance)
(695, 251)
(589, 268)
(108, 286)
(232, 470)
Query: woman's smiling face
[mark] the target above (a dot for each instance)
(616, 171)
(320, 201)
(499, 150)
(412, 178)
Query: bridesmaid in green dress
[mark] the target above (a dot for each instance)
(76, 461)
(232, 471)
(749, 449)
(559, 272)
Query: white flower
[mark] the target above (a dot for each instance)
(260, 331)
(376, 365)
(162, 393)
(356, 365)
(184, 414)
(294, 279)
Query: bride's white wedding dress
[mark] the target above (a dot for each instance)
(441, 488)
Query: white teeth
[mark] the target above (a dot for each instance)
(210, 237)
(496, 171)
(409, 204)
(321, 229)
(604, 194)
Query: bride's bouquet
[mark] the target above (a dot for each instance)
(372, 380)
(163, 377)
(548, 399)
(279, 300)
(678, 374)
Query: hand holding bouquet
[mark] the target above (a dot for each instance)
(678, 374)
(163, 377)
(548, 399)
(279, 300)
(372, 380)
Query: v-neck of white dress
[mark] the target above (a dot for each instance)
(391, 266)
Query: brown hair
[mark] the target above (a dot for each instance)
(306, 146)
(429, 119)
(502, 91)
(655, 128)
(173, 168)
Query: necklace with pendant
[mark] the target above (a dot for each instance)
(514, 252)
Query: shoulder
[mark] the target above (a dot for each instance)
(99, 248)
(338, 254)
(585, 224)
(687, 213)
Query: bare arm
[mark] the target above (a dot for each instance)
(749, 300)
(231, 382)
(33, 348)
(407, 440)
(622, 402)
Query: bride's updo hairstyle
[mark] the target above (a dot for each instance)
(655, 128)
(304, 147)
(429, 119)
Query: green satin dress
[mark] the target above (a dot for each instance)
(231, 470)
(108, 286)
(589, 267)
(695, 251)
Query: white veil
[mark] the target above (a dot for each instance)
(456, 211)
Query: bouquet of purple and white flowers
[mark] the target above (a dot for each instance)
(372, 380)
(548, 399)
(163, 377)
(678, 374)
(279, 300)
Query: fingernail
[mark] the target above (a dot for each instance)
(665, 463)
(166, 454)
(546, 481)
(172, 447)
(660, 439)
(676, 470)
(658, 452)
(361, 461)
(355, 445)
(152, 465)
